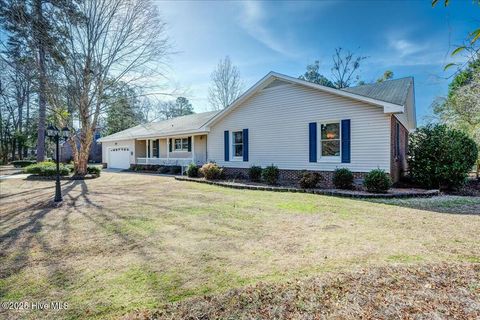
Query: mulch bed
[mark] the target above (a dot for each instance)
(423, 291)
(471, 188)
(393, 192)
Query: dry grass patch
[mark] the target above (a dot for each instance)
(124, 242)
(437, 291)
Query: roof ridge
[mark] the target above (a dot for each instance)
(376, 83)
(184, 116)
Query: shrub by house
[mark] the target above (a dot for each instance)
(192, 170)
(255, 173)
(377, 181)
(343, 178)
(270, 174)
(211, 171)
(440, 157)
(309, 180)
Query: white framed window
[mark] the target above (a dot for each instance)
(237, 144)
(180, 144)
(330, 140)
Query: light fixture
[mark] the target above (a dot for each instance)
(52, 131)
(65, 132)
(55, 134)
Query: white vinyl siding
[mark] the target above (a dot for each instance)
(163, 148)
(200, 148)
(278, 118)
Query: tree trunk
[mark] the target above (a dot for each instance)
(13, 149)
(27, 121)
(42, 102)
(20, 125)
(478, 169)
(83, 152)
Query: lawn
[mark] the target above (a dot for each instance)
(126, 242)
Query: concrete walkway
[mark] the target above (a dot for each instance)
(10, 172)
(15, 176)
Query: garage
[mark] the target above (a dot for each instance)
(119, 158)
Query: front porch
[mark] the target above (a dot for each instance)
(172, 151)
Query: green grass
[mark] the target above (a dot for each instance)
(404, 258)
(453, 204)
(127, 242)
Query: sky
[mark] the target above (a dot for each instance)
(408, 37)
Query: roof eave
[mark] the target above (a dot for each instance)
(156, 135)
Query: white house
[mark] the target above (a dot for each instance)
(293, 124)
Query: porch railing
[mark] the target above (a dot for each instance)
(166, 161)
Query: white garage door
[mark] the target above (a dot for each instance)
(119, 158)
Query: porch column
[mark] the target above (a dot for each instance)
(150, 154)
(193, 149)
(147, 150)
(168, 148)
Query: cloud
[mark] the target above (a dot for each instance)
(405, 47)
(403, 50)
(253, 19)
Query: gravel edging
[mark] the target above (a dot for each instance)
(326, 192)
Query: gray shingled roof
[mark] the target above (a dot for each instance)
(193, 122)
(393, 91)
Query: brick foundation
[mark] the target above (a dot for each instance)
(290, 176)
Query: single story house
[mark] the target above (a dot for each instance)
(293, 124)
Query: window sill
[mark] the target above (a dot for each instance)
(239, 159)
(330, 160)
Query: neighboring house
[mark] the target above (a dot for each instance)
(95, 149)
(293, 124)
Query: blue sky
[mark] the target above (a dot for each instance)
(408, 37)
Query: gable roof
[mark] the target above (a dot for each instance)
(181, 125)
(391, 95)
(272, 77)
(393, 91)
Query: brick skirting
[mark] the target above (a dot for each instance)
(291, 176)
(326, 192)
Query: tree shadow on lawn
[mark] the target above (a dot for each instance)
(21, 237)
(29, 243)
(461, 205)
(23, 193)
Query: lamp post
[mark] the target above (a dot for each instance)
(55, 134)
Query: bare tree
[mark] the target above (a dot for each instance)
(107, 42)
(345, 66)
(42, 103)
(226, 84)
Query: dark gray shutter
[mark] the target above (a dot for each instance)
(170, 145)
(312, 141)
(245, 144)
(226, 144)
(189, 144)
(346, 132)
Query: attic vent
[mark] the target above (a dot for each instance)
(276, 83)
